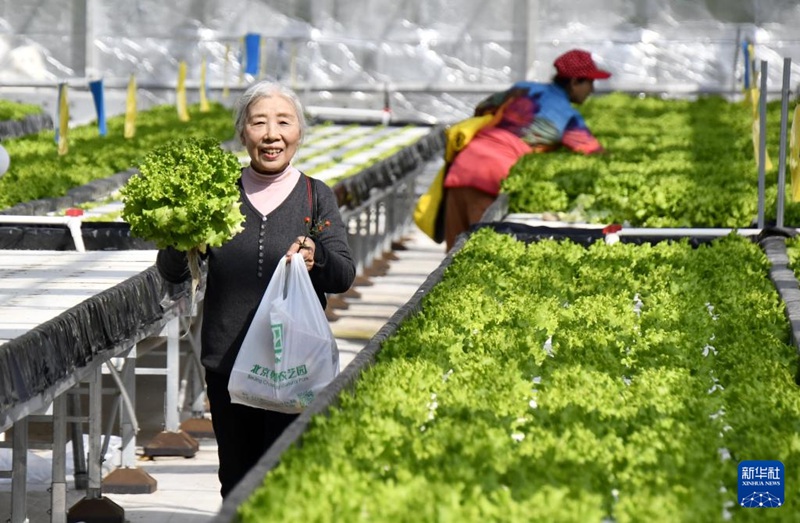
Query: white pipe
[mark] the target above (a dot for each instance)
(126, 399)
(351, 113)
(74, 225)
(688, 231)
(697, 232)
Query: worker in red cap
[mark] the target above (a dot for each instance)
(528, 117)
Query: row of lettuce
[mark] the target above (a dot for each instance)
(15, 111)
(37, 171)
(670, 163)
(549, 381)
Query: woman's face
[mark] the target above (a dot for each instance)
(271, 134)
(580, 89)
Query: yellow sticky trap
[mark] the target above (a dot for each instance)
(183, 112)
(754, 94)
(63, 121)
(130, 109)
(756, 139)
(794, 155)
(204, 108)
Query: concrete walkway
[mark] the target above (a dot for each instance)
(407, 267)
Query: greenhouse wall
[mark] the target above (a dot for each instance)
(430, 59)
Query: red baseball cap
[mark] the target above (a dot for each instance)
(579, 64)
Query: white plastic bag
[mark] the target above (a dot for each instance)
(289, 352)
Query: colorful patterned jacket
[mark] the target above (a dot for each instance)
(542, 116)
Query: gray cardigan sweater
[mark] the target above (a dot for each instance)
(238, 271)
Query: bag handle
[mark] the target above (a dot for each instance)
(312, 199)
(297, 261)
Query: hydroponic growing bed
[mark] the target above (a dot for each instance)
(670, 163)
(19, 119)
(537, 378)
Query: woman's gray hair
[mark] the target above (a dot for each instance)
(266, 89)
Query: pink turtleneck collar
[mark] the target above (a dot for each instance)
(267, 191)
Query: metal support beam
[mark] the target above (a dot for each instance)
(787, 72)
(94, 506)
(94, 459)
(762, 144)
(127, 425)
(171, 409)
(172, 441)
(58, 485)
(19, 472)
(519, 40)
(80, 36)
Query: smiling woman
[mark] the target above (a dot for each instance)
(276, 200)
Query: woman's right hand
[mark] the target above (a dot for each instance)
(305, 246)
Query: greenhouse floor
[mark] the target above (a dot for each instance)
(187, 489)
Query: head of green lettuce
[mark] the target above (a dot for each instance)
(185, 196)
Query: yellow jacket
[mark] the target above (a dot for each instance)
(427, 212)
(459, 134)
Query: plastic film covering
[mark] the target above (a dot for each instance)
(430, 60)
(118, 317)
(773, 243)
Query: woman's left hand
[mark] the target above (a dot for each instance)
(305, 246)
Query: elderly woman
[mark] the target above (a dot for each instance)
(276, 200)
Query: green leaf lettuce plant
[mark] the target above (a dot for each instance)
(185, 196)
